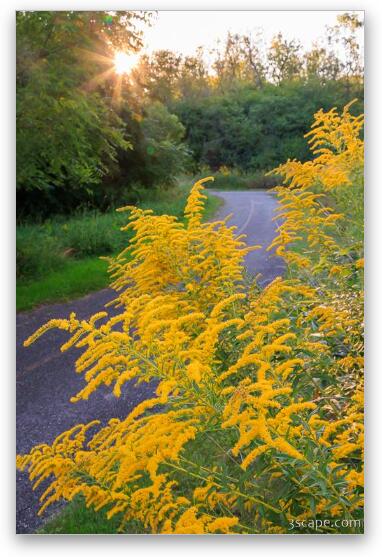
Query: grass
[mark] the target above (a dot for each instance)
(236, 180)
(76, 279)
(76, 518)
(59, 260)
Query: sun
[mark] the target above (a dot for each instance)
(116, 73)
(124, 63)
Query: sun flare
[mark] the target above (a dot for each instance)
(124, 63)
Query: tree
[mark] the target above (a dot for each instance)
(68, 132)
(167, 155)
(255, 62)
(156, 76)
(284, 59)
(344, 34)
(193, 80)
(322, 64)
(256, 129)
(228, 64)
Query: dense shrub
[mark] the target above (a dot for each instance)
(255, 130)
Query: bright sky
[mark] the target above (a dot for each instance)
(184, 31)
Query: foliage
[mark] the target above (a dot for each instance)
(43, 247)
(63, 138)
(255, 130)
(285, 63)
(88, 138)
(234, 179)
(247, 60)
(82, 137)
(159, 74)
(68, 132)
(58, 259)
(250, 113)
(37, 253)
(163, 133)
(257, 420)
(79, 519)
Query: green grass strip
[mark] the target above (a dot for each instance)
(78, 277)
(75, 279)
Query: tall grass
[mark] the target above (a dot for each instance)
(47, 246)
(58, 259)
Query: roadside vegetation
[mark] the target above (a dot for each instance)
(90, 139)
(60, 259)
(257, 422)
(257, 419)
(79, 519)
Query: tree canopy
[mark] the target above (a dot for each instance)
(87, 134)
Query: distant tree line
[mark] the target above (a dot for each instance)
(251, 105)
(89, 138)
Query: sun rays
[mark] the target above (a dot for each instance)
(124, 63)
(118, 68)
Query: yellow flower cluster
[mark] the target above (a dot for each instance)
(316, 189)
(257, 415)
(338, 149)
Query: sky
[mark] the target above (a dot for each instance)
(184, 31)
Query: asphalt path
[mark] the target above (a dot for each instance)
(45, 377)
(253, 214)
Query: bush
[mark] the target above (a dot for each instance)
(236, 180)
(257, 422)
(37, 253)
(93, 234)
(166, 154)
